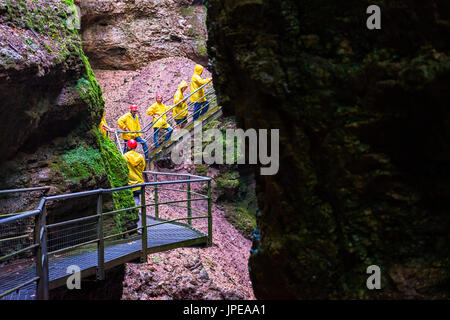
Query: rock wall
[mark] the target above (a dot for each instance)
(364, 141)
(50, 107)
(128, 35)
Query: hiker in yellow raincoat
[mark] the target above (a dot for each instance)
(201, 105)
(136, 165)
(159, 124)
(180, 111)
(103, 126)
(130, 122)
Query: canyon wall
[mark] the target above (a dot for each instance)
(128, 35)
(50, 107)
(364, 125)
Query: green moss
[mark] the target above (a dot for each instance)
(81, 163)
(242, 218)
(222, 124)
(201, 169)
(191, 32)
(201, 49)
(91, 92)
(60, 40)
(186, 11)
(68, 2)
(236, 189)
(226, 185)
(18, 13)
(242, 211)
(117, 173)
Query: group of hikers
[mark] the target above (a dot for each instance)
(129, 123)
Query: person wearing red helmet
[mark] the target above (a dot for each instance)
(136, 165)
(130, 122)
(131, 144)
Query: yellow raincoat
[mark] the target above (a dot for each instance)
(196, 82)
(136, 164)
(103, 123)
(132, 124)
(180, 111)
(156, 110)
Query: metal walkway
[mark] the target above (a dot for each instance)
(45, 270)
(35, 255)
(160, 238)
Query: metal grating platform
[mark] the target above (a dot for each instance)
(158, 236)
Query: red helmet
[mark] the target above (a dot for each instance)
(132, 144)
(133, 107)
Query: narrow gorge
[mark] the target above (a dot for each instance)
(123, 53)
(364, 145)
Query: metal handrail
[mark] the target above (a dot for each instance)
(163, 145)
(178, 174)
(211, 91)
(170, 117)
(148, 125)
(184, 99)
(63, 223)
(20, 216)
(19, 251)
(41, 228)
(2, 294)
(101, 191)
(23, 190)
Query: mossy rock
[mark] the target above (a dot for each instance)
(201, 169)
(363, 121)
(117, 172)
(226, 186)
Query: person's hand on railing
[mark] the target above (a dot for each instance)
(109, 129)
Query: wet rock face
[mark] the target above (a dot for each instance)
(43, 113)
(39, 67)
(127, 35)
(50, 103)
(364, 141)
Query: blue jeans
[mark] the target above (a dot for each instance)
(200, 108)
(142, 142)
(156, 135)
(180, 121)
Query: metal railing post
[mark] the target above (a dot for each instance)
(38, 252)
(155, 178)
(144, 225)
(210, 230)
(189, 211)
(101, 242)
(42, 256)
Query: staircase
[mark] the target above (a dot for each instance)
(164, 147)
